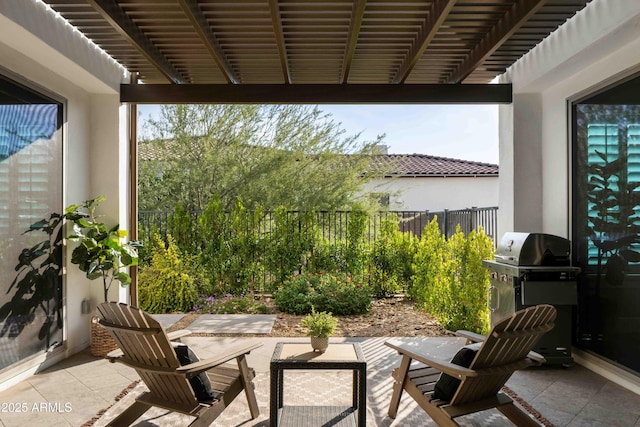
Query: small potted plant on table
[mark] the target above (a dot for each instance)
(321, 326)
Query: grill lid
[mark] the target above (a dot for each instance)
(533, 249)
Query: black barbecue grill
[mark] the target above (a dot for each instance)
(531, 269)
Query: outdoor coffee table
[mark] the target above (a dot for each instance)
(300, 356)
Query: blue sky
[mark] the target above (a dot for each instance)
(468, 132)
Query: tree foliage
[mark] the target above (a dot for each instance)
(267, 155)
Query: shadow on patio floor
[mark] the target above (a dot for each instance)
(75, 390)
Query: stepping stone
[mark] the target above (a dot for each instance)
(233, 324)
(167, 320)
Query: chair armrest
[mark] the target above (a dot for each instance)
(440, 365)
(460, 372)
(193, 369)
(471, 337)
(176, 335)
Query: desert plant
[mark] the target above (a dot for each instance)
(319, 324)
(101, 251)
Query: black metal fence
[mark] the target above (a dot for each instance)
(333, 225)
(259, 264)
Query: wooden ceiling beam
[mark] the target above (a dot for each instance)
(111, 11)
(357, 15)
(437, 14)
(317, 93)
(511, 22)
(276, 19)
(201, 26)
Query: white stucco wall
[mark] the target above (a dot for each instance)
(437, 193)
(41, 50)
(597, 46)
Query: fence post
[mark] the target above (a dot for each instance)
(445, 222)
(474, 218)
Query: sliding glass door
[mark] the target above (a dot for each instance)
(30, 229)
(606, 222)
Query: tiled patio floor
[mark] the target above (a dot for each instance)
(72, 392)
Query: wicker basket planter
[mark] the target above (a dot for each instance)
(101, 340)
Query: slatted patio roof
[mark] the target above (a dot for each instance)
(329, 42)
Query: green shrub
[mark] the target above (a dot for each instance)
(335, 292)
(230, 304)
(213, 226)
(450, 281)
(165, 285)
(240, 267)
(341, 294)
(293, 295)
(182, 226)
(428, 263)
(229, 247)
(391, 259)
(326, 256)
(469, 281)
(357, 251)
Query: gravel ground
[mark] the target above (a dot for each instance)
(389, 317)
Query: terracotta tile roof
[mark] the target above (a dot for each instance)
(426, 165)
(148, 151)
(392, 164)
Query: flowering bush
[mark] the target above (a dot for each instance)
(229, 304)
(335, 292)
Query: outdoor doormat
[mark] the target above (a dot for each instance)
(313, 388)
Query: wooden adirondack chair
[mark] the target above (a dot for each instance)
(504, 350)
(146, 347)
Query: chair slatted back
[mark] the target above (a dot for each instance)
(509, 341)
(146, 346)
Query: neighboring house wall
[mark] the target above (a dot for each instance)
(437, 193)
(45, 53)
(600, 45)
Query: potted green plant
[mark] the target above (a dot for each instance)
(101, 253)
(320, 325)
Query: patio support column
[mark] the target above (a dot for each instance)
(133, 188)
(109, 170)
(521, 164)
